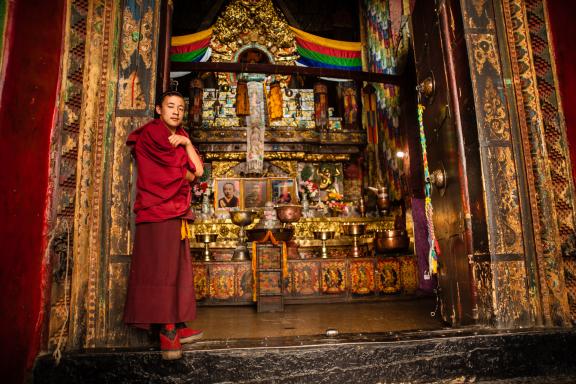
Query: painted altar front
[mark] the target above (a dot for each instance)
(311, 278)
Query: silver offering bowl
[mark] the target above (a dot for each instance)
(242, 219)
(355, 230)
(288, 213)
(206, 238)
(324, 235)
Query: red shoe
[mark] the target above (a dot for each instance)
(170, 342)
(188, 335)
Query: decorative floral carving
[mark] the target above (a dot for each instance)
(136, 38)
(485, 51)
(496, 125)
(508, 239)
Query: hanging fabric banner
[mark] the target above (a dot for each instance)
(255, 128)
(191, 48)
(316, 51)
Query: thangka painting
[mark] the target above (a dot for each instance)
(306, 278)
(352, 182)
(409, 274)
(333, 277)
(200, 280)
(244, 282)
(222, 282)
(389, 275)
(362, 277)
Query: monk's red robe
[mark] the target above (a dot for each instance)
(161, 283)
(162, 189)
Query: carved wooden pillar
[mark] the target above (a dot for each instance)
(118, 96)
(515, 278)
(544, 146)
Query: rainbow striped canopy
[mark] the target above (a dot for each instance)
(316, 51)
(191, 48)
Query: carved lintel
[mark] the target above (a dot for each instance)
(299, 156)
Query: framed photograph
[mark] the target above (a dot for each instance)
(283, 191)
(255, 193)
(227, 194)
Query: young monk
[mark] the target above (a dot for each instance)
(161, 284)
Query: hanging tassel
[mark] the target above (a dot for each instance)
(242, 102)
(350, 106)
(196, 100)
(369, 101)
(432, 242)
(321, 105)
(275, 101)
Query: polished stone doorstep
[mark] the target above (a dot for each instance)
(447, 355)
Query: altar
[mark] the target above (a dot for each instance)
(339, 277)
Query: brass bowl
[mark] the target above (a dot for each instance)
(354, 229)
(289, 213)
(242, 218)
(391, 240)
(206, 237)
(324, 235)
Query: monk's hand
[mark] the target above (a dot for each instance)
(190, 176)
(177, 140)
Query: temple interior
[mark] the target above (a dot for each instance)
(305, 207)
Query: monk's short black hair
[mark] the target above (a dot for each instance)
(168, 94)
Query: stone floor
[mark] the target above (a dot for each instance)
(314, 319)
(377, 342)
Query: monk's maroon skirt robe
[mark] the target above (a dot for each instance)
(161, 283)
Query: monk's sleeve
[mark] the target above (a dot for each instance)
(189, 163)
(161, 170)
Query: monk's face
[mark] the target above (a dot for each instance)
(228, 190)
(171, 111)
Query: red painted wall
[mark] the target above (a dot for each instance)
(27, 112)
(561, 16)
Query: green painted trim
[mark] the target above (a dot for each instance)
(3, 18)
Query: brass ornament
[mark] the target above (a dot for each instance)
(223, 168)
(245, 23)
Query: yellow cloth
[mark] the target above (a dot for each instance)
(185, 230)
(192, 38)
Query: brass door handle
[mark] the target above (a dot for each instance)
(439, 180)
(427, 88)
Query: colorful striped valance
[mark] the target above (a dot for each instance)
(316, 51)
(191, 48)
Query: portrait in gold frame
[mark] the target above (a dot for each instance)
(283, 191)
(227, 194)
